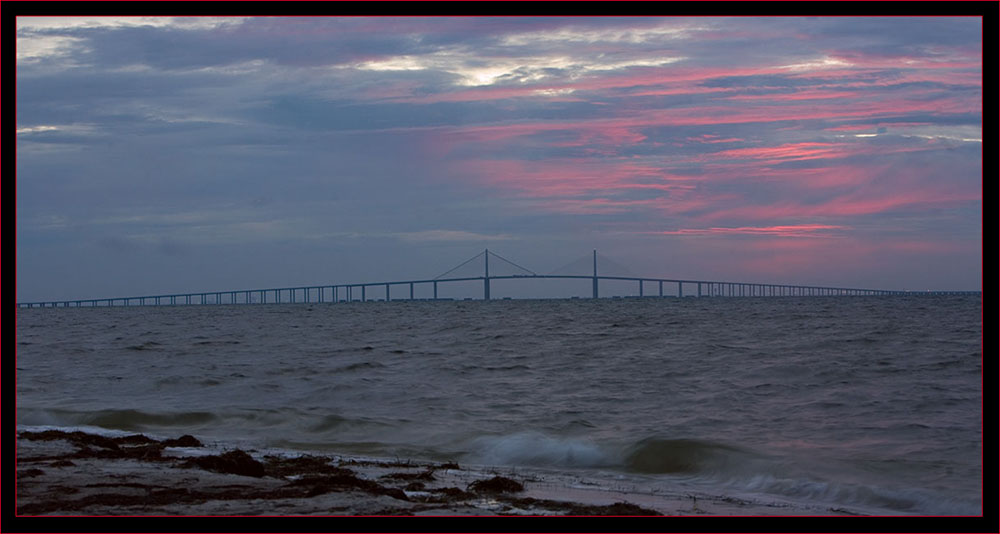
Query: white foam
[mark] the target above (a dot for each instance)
(536, 449)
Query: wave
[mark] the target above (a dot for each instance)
(121, 419)
(661, 456)
(711, 466)
(875, 498)
(540, 450)
(647, 456)
(264, 424)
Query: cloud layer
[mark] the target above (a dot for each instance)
(176, 154)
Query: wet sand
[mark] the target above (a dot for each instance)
(81, 474)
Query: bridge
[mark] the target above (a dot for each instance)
(374, 290)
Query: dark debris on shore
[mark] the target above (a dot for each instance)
(301, 477)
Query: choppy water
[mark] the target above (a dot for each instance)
(873, 402)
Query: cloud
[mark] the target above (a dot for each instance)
(34, 49)
(437, 133)
(450, 235)
(801, 230)
(50, 23)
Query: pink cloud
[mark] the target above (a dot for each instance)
(593, 206)
(800, 230)
(862, 202)
(613, 136)
(711, 139)
(686, 90)
(758, 161)
(861, 127)
(623, 129)
(947, 59)
(589, 186)
(801, 95)
(786, 152)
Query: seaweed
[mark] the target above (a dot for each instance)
(496, 484)
(234, 462)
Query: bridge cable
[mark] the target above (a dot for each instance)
(460, 266)
(614, 265)
(583, 261)
(512, 263)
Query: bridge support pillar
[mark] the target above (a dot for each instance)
(435, 290)
(387, 293)
(411, 290)
(680, 289)
(640, 288)
(595, 273)
(661, 288)
(486, 277)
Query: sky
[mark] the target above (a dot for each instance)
(171, 154)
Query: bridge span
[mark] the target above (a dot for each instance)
(373, 290)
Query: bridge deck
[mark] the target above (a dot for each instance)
(346, 292)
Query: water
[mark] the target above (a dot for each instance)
(870, 402)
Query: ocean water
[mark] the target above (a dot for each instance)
(873, 403)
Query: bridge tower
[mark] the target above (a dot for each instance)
(595, 273)
(486, 279)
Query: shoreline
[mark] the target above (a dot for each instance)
(76, 473)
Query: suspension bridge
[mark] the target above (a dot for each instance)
(647, 287)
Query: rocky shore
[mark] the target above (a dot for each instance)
(63, 473)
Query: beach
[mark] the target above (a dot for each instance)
(75, 473)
